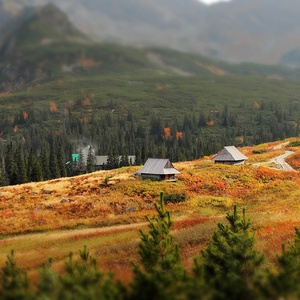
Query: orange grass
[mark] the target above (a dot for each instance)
(90, 207)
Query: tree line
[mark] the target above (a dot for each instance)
(41, 144)
(229, 268)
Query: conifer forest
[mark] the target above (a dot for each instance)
(38, 140)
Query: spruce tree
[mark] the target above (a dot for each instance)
(138, 157)
(30, 164)
(44, 161)
(61, 161)
(83, 280)
(47, 286)
(10, 165)
(36, 170)
(21, 166)
(230, 263)
(2, 173)
(14, 284)
(112, 160)
(54, 169)
(124, 158)
(161, 274)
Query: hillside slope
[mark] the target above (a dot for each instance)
(117, 197)
(89, 206)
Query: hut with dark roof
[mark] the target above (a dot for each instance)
(158, 169)
(230, 155)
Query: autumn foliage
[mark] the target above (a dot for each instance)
(116, 197)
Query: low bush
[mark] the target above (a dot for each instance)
(259, 151)
(175, 198)
(295, 144)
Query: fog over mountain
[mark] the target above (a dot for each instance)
(263, 31)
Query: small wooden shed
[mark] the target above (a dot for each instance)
(159, 169)
(230, 155)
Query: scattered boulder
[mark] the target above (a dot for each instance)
(47, 192)
(64, 200)
(130, 209)
(148, 206)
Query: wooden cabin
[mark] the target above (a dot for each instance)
(158, 169)
(230, 155)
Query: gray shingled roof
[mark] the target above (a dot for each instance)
(229, 153)
(157, 166)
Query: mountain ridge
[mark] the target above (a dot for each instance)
(235, 31)
(42, 25)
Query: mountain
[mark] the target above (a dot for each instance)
(238, 31)
(42, 25)
(41, 43)
(36, 45)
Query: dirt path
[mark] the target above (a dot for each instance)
(62, 234)
(280, 161)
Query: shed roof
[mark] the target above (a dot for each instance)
(158, 166)
(230, 153)
(102, 159)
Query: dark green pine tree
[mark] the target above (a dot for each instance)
(61, 161)
(2, 173)
(161, 274)
(54, 169)
(14, 284)
(83, 280)
(21, 166)
(47, 285)
(230, 263)
(90, 162)
(10, 165)
(44, 161)
(138, 157)
(124, 162)
(285, 283)
(112, 161)
(36, 172)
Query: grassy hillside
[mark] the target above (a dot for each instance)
(67, 209)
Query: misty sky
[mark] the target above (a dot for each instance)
(212, 1)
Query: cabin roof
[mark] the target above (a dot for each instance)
(157, 166)
(230, 153)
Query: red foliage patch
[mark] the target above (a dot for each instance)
(183, 224)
